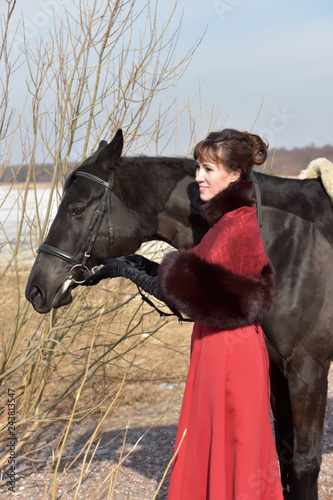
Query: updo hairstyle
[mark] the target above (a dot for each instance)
(236, 150)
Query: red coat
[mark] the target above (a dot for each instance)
(225, 284)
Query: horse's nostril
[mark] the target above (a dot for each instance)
(36, 297)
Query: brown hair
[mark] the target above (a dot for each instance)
(236, 150)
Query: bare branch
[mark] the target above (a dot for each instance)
(6, 69)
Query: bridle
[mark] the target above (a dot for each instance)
(93, 228)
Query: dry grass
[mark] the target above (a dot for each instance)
(106, 352)
(105, 349)
(70, 364)
(131, 339)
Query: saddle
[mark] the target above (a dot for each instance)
(323, 168)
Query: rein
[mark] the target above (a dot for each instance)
(258, 198)
(93, 228)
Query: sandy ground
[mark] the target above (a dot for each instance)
(140, 473)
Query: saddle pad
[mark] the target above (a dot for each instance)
(323, 168)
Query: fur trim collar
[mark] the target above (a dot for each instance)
(237, 195)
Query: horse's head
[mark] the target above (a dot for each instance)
(92, 223)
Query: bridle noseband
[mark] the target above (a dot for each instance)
(92, 232)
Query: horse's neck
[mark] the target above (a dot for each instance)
(173, 212)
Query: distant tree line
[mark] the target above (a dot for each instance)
(280, 161)
(19, 173)
(291, 161)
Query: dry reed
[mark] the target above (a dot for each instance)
(102, 66)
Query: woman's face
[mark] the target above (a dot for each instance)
(213, 178)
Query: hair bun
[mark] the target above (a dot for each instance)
(236, 150)
(259, 148)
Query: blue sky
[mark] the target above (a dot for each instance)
(278, 53)
(277, 50)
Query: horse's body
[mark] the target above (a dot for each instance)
(157, 199)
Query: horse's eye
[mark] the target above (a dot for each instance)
(77, 210)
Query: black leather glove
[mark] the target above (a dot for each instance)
(142, 264)
(114, 268)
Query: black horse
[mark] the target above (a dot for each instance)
(157, 199)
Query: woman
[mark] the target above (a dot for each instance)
(225, 284)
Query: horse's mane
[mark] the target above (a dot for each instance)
(149, 180)
(305, 198)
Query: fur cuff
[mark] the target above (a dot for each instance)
(212, 295)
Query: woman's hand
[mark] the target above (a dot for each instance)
(111, 268)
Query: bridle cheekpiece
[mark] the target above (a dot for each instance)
(93, 228)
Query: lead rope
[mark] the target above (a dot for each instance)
(162, 314)
(262, 342)
(263, 348)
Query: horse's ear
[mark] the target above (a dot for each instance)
(110, 153)
(117, 142)
(102, 145)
